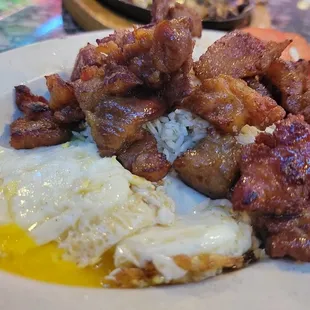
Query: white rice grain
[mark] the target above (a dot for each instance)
(177, 132)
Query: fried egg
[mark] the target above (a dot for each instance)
(197, 246)
(67, 206)
(68, 216)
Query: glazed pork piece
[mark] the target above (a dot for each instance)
(239, 55)
(274, 188)
(212, 166)
(229, 104)
(143, 159)
(293, 81)
(29, 134)
(116, 122)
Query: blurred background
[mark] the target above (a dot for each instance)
(24, 22)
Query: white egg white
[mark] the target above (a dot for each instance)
(208, 230)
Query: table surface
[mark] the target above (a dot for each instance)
(24, 22)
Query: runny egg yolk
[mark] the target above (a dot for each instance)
(20, 255)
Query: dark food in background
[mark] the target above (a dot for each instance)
(238, 54)
(223, 10)
(143, 159)
(212, 166)
(229, 104)
(275, 188)
(160, 9)
(168, 9)
(210, 9)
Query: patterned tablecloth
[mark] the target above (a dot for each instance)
(24, 22)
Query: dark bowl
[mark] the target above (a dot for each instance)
(144, 15)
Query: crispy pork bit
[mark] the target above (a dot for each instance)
(143, 159)
(238, 54)
(61, 92)
(117, 122)
(87, 56)
(26, 134)
(229, 104)
(275, 188)
(113, 80)
(34, 107)
(63, 101)
(118, 80)
(40, 125)
(258, 86)
(69, 115)
(212, 166)
(148, 55)
(292, 79)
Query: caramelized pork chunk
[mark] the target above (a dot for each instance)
(229, 104)
(117, 122)
(238, 54)
(293, 82)
(28, 134)
(212, 166)
(275, 188)
(143, 159)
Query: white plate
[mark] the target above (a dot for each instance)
(266, 285)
